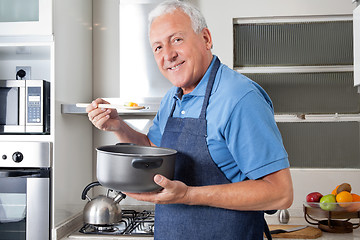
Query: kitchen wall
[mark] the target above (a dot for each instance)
(72, 135)
(219, 15)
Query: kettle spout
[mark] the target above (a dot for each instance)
(119, 197)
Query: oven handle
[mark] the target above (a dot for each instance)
(26, 173)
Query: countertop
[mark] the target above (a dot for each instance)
(325, 235)
(270, 220)
(73, 226)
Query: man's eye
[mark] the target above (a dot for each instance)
(177, 39)
(157, 49)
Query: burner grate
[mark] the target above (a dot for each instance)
(132, 223)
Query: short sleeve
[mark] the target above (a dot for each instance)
(253, 137)
(154, 133)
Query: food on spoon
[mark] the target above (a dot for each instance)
(131, 104)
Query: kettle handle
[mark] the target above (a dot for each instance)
(87, 188)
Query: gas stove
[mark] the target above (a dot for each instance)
(133, 223)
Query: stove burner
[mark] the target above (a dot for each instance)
(132, 223)
(106, 228)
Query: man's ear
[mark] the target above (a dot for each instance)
(206, 35)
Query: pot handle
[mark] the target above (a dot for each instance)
(126, 144)
(87, 188)
(146, 163)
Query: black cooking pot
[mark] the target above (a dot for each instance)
(131, 168)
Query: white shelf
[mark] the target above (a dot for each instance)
(317, 117)
(295, 69)
(150, 109)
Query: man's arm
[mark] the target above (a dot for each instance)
(273, 191)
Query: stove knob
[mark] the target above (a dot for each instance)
(4, 157)
(17, 157)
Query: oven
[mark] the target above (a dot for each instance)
(25, 190)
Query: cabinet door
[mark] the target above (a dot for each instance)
(25, 17)
(356, 27)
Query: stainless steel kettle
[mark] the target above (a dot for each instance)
(102, 210)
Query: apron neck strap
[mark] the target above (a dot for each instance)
(209, 88)
(179, 92)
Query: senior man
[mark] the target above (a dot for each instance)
(231, 164)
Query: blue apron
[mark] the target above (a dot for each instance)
(195, 167)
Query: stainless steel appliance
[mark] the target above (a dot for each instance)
(102, 210)
(133, 223)
(24, 106)
(131, 168)
(25, 190)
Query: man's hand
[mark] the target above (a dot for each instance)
(102, 118)
(273, 191)
(172, 192)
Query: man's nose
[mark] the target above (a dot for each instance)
(170, 54)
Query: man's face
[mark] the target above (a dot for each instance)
(181, 55)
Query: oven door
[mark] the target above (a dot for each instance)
(24, 204)
(12, 106)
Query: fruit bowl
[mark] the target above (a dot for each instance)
(335, 207)
(333, 217)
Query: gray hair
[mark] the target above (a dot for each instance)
(198, 22)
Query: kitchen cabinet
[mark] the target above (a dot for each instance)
(25, 17)
(305, 63)
(60, 53)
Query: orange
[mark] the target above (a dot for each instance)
(334, 191)
(344, 197)
(355, 197)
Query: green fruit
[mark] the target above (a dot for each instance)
(327, 202)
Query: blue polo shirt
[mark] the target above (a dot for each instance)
(242, 136)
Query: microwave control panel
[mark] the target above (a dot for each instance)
(34, 105)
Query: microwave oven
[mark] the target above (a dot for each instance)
(24, 107)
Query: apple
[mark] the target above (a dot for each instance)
(314, 197)
(327, 202)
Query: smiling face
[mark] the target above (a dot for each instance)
(182, 55)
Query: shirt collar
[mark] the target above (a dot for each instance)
(200, 89)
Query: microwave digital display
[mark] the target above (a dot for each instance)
(34, 105)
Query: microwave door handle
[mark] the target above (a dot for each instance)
(23, 107)
(12, 83)
(19, 173)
